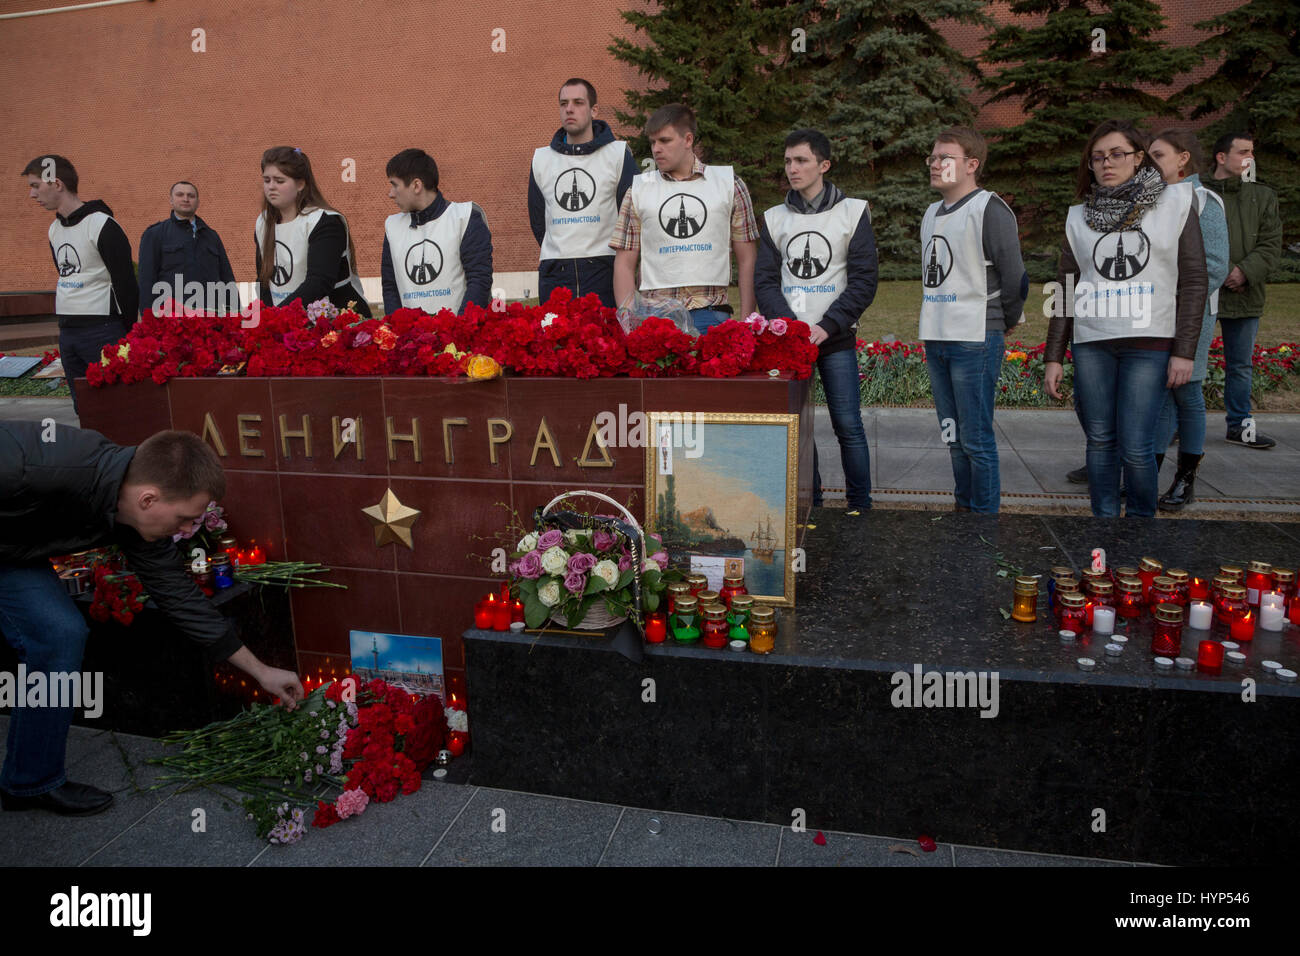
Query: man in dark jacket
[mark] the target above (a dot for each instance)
(64, 490)
(437, 254)
(575, 188)
(96, 298)
(1254, 248)
(183, 249)
(817, 262)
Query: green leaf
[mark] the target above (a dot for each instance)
(535, 612)
(625, 578)
(650, 600)
(652, 580)
(595, 584)
(1006, 615)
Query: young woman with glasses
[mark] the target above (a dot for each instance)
(1134, 283)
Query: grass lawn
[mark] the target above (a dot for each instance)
(896, 311)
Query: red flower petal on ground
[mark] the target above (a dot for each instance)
(820, 838)
(927, 843)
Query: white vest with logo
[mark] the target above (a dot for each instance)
(1128, 279)
(954, 273)
(426, 259)
(1203, 196)
(685, 228)
(814, 251)
(291, 242)
(581, 194)
(84, 287)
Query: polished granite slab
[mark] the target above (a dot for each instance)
(1183, 768)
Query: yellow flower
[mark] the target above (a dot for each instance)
(123, 352)
(1018, 356)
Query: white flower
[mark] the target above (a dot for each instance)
(555, 560)
(648, 566)
(573, 536)
(606, 569)
(549, 593)
(548, 318)
(458, 721)
(528, 542)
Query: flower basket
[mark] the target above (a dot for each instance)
(598, 617)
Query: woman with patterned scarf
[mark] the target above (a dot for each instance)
(1133, 270)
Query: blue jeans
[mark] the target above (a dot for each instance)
(1120, 391)
(42, 624)
(840, 382)
(1183, 412)
(963, 378)
(1238, 364)
(706, 319)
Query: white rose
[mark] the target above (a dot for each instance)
(549, 593)
(606, 569)
(528, 542)
(458, 721)
(555, 560)
(648, 566)
(573, 536)
(548, 319)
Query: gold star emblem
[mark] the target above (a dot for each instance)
(392, 520)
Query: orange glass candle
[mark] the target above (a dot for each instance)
(1024, 599)
(762, 630)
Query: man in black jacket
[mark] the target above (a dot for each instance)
(64, 490)
(183, 249)
(96, 298)
(575, 188)
(817, 263)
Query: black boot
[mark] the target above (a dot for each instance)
(1160, 461)
(1181, 492)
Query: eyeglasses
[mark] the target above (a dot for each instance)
(944, 159)
(1116, 156)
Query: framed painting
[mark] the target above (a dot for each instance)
(726, 485)
(410, 662)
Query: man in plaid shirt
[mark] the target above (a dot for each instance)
(682, 221)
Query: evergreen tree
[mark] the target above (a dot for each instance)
(1068, 77)
(1258, 84)
(885, 82)
(732, 63)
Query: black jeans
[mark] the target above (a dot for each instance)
(580, 276)
(80, 345)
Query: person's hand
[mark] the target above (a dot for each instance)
(1053, 372)
(818, 335)
(1236, 279)
(1180, 372)
(283, 684)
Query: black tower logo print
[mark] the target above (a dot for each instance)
(1121, 255)
(69, 261)
(423, 262)
(575, 189)
(283, 264)
(808, 255)
(937, 262)
(682, 215)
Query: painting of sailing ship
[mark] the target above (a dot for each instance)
(410, 662)
(735, 499)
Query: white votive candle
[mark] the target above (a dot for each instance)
(1199, 615)
(1270, 617)
(1272, 599)
(1103, 620)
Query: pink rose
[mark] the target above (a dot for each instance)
(582, 562)
(661, 559)
(758, 322)
(530, 565)
(575, 582)
(549, 539)
(604, 540)
(624, 563)
(778, 326)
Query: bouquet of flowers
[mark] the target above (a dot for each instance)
(206, 530)
(118, 595)
(367, 743)
(562, 573)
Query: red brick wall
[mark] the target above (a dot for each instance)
(120, 92)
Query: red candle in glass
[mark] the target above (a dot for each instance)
(716, 627)
(1072, 612)
(505, 592)
(1242, 626)
(1209, 657)
(256, 555)
(501, 615)
(1198, 589)
(1148, 568)
(516, 612)
(1130, 603)
(656, 627)
(483, 616)
(1293, 610)
(1258, 580)
(1231, 604)
(1167, 639)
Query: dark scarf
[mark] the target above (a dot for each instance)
(1112, 208)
